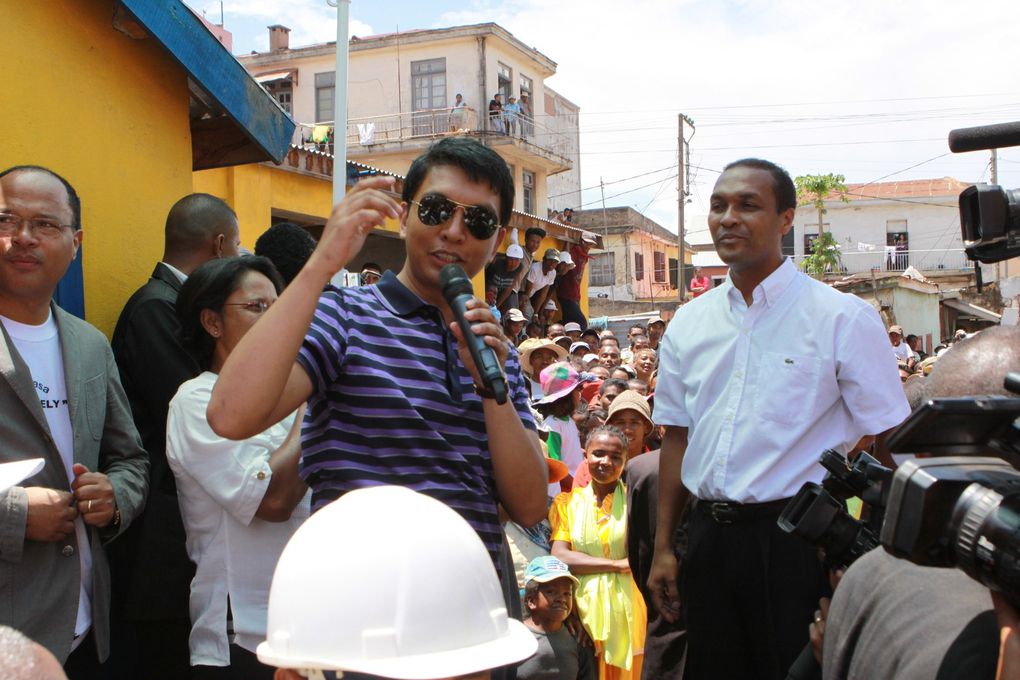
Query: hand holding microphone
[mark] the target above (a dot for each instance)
(487, 350)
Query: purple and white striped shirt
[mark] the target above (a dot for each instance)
(392, 403)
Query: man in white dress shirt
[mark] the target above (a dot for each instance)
(757, 377)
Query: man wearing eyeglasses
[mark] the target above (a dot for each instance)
(393, 395)
(62, 401)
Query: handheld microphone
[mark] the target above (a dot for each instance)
(457, 291)
(984, 137)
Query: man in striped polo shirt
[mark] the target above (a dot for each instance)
(393, 395)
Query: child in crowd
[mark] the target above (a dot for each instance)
(561, 385)
(589, 533)
(549, 598)
(639, 386)
(609, 391)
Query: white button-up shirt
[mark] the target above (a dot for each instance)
(764, 389)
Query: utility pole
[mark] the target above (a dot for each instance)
(605, 235)
(343, 10)
(683, 191)
(995, 180)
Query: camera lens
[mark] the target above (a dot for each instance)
(987, 530)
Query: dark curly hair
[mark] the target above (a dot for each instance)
(288, 246)
(208, 287)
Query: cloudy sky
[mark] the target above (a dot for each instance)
(868, 88)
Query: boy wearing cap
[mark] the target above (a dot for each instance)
(513, 325)
(899, 348)
(541, 278)
(501, 273)
(549, 597)
(568, 289)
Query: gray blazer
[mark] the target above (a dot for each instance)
(39, 581)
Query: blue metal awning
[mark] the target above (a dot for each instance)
(239, 122)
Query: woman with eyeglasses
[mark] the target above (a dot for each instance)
(240, 500)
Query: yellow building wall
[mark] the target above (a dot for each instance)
(110, 114)
(255, 190)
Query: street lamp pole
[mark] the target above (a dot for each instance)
(340, 100)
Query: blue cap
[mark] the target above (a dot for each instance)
(547, 568)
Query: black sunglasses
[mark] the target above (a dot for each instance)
(436, 209)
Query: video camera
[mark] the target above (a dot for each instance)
(960, 510)
(989, 214)
(960, 507)
(819, 515)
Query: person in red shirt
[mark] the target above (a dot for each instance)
(569, 289)
(700, 283)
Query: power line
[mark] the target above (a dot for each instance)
(616, 181)
(791, 104)
(628, 191)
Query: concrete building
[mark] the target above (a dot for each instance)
(888, 226)
(401, 93)
(126, 98)
(563, 118)
(639, 260)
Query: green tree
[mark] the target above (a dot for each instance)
(824, 256)
(814, 189)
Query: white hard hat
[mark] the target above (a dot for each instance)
(392, 583)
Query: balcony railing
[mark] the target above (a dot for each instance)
(935, 260)
(431, 124)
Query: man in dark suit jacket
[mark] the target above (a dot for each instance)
(151, 566)
(62, 401)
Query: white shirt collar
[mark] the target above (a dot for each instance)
(771, 289)
(176, 272)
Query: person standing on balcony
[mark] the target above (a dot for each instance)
(457, 113)
(527, 116)
(512, 116)
(496, 114)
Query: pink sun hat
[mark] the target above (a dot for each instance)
(558, 380)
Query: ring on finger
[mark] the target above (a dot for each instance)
(88, 508)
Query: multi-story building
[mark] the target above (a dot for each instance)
(889, 226)
(639, 260)
(402, 88)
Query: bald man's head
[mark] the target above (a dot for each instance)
(23, 659)
(978, 365)
(200, 227)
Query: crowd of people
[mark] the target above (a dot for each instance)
(210, 503)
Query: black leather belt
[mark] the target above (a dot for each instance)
(725, 512)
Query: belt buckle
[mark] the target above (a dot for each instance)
(722, 513)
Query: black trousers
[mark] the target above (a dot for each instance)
(750, 592)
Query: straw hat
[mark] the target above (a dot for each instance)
(531, 344)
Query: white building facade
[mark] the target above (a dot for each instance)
(888, 226)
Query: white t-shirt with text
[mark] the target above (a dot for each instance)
(39, 347)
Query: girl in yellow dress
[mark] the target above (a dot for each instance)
(589, 534)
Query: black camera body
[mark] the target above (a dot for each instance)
(989, 214)
(959, 510)
(990, 222)
(818, 513)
